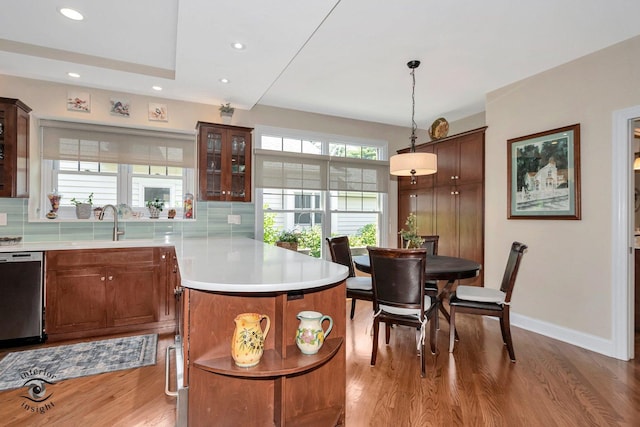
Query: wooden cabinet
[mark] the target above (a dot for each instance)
(99, 292)
(450, 203)
(14, 148)
(286, 388)
(224, 162)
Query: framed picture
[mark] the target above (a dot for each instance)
(120, 107)
(544, 175)
(79, 101)
(158, 112)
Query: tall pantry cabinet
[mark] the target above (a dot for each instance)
(450, 203)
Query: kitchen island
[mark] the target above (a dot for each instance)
(223, 278)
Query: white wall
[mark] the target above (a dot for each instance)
(564, 286)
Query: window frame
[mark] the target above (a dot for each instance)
(326, 209)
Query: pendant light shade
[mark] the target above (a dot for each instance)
(413, 164)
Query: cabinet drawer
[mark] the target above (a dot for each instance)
(99, 257)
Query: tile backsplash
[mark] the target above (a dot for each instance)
(211, 220)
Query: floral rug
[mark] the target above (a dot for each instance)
(77, 360)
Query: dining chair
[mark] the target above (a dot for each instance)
(357, 287)
(399, 297)
(489, 301)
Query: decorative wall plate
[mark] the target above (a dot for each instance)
(439, 128)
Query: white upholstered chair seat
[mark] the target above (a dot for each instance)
(359, 283)
(478, 294)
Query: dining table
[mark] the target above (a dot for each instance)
(439, 268)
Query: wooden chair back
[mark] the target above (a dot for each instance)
(511, 270)
(398, 277)
(341, 252)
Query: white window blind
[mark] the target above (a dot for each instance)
(111, 144)
(281, 169)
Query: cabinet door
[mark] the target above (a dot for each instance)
(446, 220)
(14, 148)
(132, 294)
(224, 162)
(167, 284)
(210, 163)
(76, 300)
(470, 225)
(239, 179)
(420, 203)
(471, 159)
(448, 153)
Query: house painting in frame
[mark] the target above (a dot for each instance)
(544, 175)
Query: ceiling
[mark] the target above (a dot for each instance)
(339, 57)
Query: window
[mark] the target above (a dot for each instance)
(118, 165)
(320, 186)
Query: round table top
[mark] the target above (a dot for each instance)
(439, 267)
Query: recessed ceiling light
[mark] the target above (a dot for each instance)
(223, 80)
(74, 75)
(158, 88)
(71, 14)
(238, 45)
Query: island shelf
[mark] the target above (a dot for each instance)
(287, 388)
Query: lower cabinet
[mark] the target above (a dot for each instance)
(287, 388)
(99, 292)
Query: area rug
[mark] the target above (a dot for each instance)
(77, 360)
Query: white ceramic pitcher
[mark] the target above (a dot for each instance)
(310, 336)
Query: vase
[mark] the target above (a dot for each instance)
(226, 117)
(154, 213)
(310, 336)
(247, 344)
(83, 211)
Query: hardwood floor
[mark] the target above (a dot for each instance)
(551, 384)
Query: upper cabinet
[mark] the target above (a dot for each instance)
(224, 162)
(14, 148)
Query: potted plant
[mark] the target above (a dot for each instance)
(155, 206)
(288, 240)
(83, 207)
(226, 112)
(410, 237)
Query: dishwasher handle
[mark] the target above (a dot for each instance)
(167, 365)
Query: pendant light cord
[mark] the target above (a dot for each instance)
(413, 65)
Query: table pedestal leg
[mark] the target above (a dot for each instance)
(442, 296)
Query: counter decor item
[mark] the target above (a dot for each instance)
(226, 113)
(188, 206)
(171, 213)
(247, 344)
(410, 238)
(288, 240)
(83, 208)
(310, 335)
(439, 128)
(155, 206)
(54, 199)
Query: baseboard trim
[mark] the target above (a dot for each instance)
(570, 336)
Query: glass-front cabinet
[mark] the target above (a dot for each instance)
(224, 162)
(14, 148)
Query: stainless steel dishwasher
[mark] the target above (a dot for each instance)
(21, 298)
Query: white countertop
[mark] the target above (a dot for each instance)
(224, 265)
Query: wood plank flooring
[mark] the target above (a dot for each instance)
(551, 384)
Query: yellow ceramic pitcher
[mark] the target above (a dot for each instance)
(247, 344)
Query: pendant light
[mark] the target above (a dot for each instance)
(413, 164)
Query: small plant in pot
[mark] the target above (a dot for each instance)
(155, 206)
(83, 207)
(226, 112)
(410, 237)
(288, 240)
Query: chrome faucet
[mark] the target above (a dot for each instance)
(116, 232)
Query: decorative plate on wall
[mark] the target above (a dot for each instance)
(439, 128)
